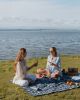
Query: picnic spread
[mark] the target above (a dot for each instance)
(46, 85)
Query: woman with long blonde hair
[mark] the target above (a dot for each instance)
(21, 77)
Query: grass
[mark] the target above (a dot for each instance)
(10, 91)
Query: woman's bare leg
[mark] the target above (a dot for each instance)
(55, 74)
(48, 73)
(40, 70)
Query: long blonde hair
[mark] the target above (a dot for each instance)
(20, 56)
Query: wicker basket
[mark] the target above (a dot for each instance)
(72, 71)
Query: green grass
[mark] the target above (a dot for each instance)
(10, 91)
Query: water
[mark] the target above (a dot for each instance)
(38, 42)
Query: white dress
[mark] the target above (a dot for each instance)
(21, 74)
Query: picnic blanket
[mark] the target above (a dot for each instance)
(47, 86)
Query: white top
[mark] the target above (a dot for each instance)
(55, 60)
(21, 74)
(21, 69)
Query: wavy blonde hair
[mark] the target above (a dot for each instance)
(20, 56)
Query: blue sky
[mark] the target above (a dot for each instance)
(40, 14)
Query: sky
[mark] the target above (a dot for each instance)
(40, 14)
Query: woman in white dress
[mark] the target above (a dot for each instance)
(21, 77)
(53, 68)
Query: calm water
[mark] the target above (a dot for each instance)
(37, 42)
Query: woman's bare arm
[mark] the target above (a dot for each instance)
(34, 65)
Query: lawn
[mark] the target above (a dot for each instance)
(10, 91)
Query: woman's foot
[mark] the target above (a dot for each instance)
(55, 74)
(39, 76)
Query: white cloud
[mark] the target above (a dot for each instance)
(38, 13)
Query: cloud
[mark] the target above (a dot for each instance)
(36, 23)
(39, 13)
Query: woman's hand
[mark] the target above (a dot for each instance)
(35, 64)
(53, 64)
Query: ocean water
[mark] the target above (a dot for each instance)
(38, 42)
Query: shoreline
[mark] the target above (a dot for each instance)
(62, 55)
